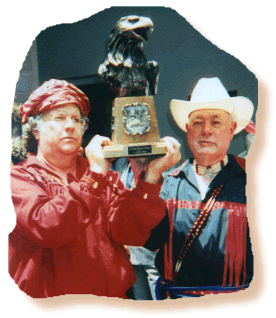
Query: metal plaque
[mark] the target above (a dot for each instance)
(139, 150)
(136, 118)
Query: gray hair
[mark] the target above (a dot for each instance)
(25, 143)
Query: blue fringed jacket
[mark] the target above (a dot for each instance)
(220, 259)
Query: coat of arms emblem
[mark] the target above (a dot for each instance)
(136, 118)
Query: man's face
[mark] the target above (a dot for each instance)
(209, 133)
(60, 131)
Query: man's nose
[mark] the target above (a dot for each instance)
(206, 129)
(69, 123)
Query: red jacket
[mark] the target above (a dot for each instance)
(70, 240)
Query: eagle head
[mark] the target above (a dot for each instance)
(132, 27)
(126, 68)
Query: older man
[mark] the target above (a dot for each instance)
(73, 215)
(207, 246)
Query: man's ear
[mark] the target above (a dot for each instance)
(35, 132)
(233, 127)
(187, 127)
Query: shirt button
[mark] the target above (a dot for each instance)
(95, 185)
(145, 196)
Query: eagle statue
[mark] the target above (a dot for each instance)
(126, 68)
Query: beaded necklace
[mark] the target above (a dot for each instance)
(210, 171)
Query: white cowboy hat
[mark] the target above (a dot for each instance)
(210, 93)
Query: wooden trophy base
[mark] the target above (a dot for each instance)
(135, 131)
(135, 150)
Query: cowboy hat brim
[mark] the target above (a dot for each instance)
(241, 109)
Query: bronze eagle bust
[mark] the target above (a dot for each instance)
(126, 68)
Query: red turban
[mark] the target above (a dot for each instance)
(52, 94)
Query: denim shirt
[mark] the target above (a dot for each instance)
(206, 261)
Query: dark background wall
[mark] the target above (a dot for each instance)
(75, 51)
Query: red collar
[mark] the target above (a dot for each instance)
(82, 164)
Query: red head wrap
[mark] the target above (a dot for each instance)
(52, 94)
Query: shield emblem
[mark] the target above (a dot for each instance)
(136, 119)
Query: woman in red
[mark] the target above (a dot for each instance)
(73, 215)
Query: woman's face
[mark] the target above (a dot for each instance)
(60, 131)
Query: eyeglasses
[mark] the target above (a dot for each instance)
(63, 119)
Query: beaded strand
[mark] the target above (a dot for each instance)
(194, 231)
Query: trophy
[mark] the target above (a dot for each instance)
(133, 80)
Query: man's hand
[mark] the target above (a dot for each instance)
(95, 155)
(155, 168)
